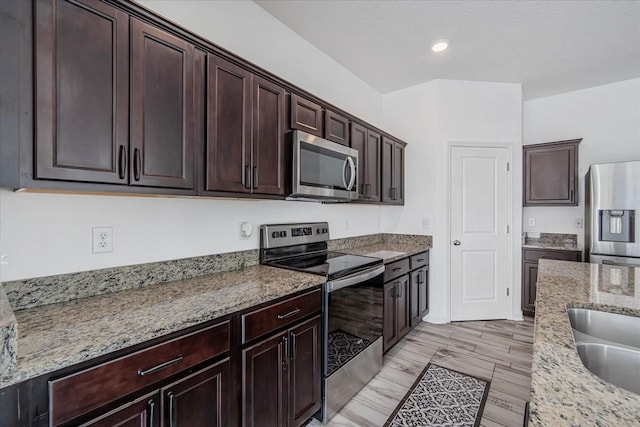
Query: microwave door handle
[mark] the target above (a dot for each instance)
(352, 167)
(344, 171)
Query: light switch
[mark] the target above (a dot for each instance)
(532, 222)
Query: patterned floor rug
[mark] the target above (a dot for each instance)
(441, 397)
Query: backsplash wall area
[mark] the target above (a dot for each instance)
(48, 234)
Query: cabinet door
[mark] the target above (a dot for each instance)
(268, 146)
(403, 299)
(81, 92)
(200, 399)
(372, 165)
(390, 315)
(415, 279)
(387, 170)
(162, 108)
(228, 162)
(264, 374)
(305, 372)
(358, 142)
(423, 304)
(306, 115)
(398, 173)
(336, 128)
(550, 174)
(530, 277)
(143, 412)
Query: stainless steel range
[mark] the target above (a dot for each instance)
(352, 306)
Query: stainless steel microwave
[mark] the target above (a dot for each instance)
(323, 170)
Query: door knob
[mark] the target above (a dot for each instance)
(456, 243)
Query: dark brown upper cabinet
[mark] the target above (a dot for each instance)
(336, 128)
(392, 171)
(268, 145)
(162, 108)
(245, 141)
(367, 142)
(306, 116)
(81, 92)
(551, 174)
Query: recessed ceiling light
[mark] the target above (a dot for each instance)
(440, 45)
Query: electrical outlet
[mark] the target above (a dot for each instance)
(578, 222)
(426, 223)
(532, 222)
(102, 239)
(379, 222)
(245, 230)
(346, 224)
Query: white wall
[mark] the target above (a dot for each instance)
(244, 28)
(46, 234)
(606, 117)
(430, 117)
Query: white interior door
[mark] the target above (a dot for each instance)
(479, 220)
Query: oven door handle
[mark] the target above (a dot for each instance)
(363, 276)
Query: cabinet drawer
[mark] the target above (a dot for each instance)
(419, 260)
(115, 379)
(396, 269)
(534, 255)
(265, 320)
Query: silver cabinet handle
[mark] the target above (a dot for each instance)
(160, 366)
(289, 314)
(456, 243)
(172, 412)
(151, 407)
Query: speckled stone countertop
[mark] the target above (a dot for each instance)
(388, 251)
(58, 335)
(563, 391)
(556, 241)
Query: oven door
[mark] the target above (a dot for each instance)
(354, 307)
(352, 337)
(323, 169)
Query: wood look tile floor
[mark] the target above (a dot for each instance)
(495, 350)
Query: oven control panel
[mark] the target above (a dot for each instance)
(278, 235)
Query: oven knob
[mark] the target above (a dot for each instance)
(319, 230)
(283, 234)
(275, 234)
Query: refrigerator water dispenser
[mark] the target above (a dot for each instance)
(617, 225)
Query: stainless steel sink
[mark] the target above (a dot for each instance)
(605, 327)
(617, 365)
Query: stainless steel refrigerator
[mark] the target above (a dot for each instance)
(612, 232)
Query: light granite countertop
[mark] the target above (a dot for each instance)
(563, 391)
(59, 335)
(389, 252)
(554, 247)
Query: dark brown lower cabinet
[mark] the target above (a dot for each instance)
(397, 319)
(142, 412)
(197, 400)
(419, 295)
(530, 259)
(281, 377)
(406, 297)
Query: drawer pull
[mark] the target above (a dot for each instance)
(397, 269)
(160, 366)
(289, 314)
(420, 260)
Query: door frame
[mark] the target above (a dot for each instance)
(513, 273)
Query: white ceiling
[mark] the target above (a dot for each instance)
(549, 46)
